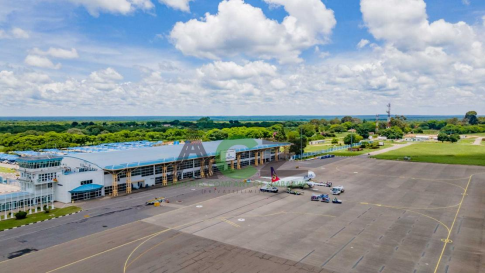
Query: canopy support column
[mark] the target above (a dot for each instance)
(239, 161)
(202, 168)
(128, 181)
(114, 193)
(211, 172)
(174, 173)
(164, 175)
(261, 158)
(256, 163)
(232, 165)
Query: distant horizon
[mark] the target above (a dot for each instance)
(272, 118)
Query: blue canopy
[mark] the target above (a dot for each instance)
(86, 188)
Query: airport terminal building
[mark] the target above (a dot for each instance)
(84, 176)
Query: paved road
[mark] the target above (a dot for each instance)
(478, 141)
(395, 147)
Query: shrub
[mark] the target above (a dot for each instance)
(46, 209)
(20, 215)
(334, 141)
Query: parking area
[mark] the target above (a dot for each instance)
(395, 217)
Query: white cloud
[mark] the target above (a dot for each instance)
(404, 23)
(57, 53)
(309, 23)
(39, 61)
(466, 2)
(362, 43)
(14, 33)
(19, 33)
(106, 75)
(182, 5)
(230, 70)
(123, 7)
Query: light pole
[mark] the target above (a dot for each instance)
(301, 145)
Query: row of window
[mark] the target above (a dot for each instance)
(86, 182)
(39, 164)
(44, 177)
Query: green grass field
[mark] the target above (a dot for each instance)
(7, 170)
(40, 216)
(446, 153)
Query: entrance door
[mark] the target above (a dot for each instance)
(87, 196)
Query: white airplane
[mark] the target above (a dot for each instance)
(291, 181)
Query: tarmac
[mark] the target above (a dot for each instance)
(395, 217)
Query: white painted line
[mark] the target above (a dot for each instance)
(241, 219)
(199, 206)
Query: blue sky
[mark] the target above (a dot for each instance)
(165, 57)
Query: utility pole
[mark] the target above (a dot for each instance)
(388, 115)
(301, 145)
(377, 123)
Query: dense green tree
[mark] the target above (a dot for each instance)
(352, 138)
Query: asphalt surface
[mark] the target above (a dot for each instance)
(395, 217)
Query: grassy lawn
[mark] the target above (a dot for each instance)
(7, 170)
(314, 148)
(445, 153)
(10, 223)
(431, 132)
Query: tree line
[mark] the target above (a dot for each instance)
(35, 135)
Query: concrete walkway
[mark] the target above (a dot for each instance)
(478, 141)
(394, 147)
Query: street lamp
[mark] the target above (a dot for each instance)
(301, 145)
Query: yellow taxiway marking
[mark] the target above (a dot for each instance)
(447, 240)
(136, 240)
(412, 211)
(229, 222)
(151, 248)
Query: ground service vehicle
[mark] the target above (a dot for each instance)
(294, 192)
(268, 188)
(338, 190)
(155, 200)
(321, 197)
(336, 201)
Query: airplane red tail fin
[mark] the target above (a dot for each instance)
(274, 177)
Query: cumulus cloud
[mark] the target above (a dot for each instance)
(230, 70)
(14, 33)
(57, 53)
(182, 5)
(404, 23)
(362, 43)
(106, 75)
(39, 61)
(123, 7)
(217, 36)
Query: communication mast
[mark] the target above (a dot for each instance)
(388, 115)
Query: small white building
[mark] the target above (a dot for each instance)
(317, 142)
(413, 138)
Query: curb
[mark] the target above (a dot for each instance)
(41, 221)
